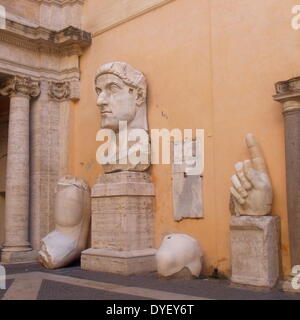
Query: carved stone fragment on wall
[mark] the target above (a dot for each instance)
(59, 90)
(187, 181)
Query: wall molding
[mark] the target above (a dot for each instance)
(67, 42)
(60, 3)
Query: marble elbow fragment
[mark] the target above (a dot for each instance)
(179, 251)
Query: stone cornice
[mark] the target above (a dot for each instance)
(69, 41)
(61, 3)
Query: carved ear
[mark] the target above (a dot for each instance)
(140, 97)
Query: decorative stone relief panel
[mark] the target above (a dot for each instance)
(59, 91)
(187, 188)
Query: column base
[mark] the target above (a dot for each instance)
(119, 262)
(287, 286)
(25, 256)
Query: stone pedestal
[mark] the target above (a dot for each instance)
(255, 250)
(122, 225)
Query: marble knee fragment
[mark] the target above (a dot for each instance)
(64, 244)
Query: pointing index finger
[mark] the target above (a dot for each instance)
(255, 153)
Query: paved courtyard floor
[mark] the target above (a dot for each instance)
(33, 282)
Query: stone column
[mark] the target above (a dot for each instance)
(288, 93)
(16, 243)
(49, 154)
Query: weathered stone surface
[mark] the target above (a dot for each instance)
(59, 91)
(63, 42)
(121, 98)
(39, 50)
(122, 224)
(19, 89)
(251, 190)
(179, 251)
(72, 216)
(3, 158)
(255, 250)
(19, 256)
(288, 93)
(120, 262)
(187, 188)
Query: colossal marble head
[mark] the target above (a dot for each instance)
(121, 92)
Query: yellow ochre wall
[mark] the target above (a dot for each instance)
(210, 64)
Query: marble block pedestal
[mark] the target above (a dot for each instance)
(255, 250)
(122, 225)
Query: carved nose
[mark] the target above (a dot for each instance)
(101, 101)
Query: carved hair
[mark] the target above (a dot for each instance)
(127, 73)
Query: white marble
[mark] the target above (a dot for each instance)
(72, 217)
(251, 190)
(121, 98)
(179, 251)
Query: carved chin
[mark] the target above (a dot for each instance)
(110, 123)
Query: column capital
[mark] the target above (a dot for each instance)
(59, 91)
(23, 86)
(288, 93)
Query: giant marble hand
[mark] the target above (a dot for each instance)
(251, 190)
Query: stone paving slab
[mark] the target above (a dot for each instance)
(52, 290)
(133, 286)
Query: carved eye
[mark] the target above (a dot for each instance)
(114, 87)
(98, 91)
